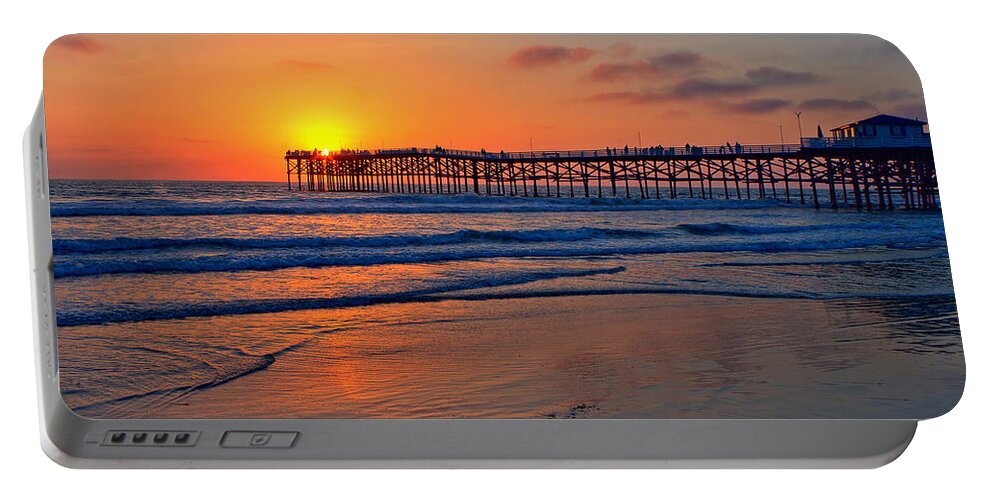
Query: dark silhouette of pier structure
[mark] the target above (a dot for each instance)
(819, 171)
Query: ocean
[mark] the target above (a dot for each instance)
(222, 299)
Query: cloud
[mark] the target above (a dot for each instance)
(539, 56)
(773, 76)
(681, 59)
(892, 95)
(642, 97)
(622, 49)
(756, 106)
(80, 44)
(716, 90)
(914, 110)
(653, 67)
(878, 52)
(831, 104)
(309, 65)
(703, 87)
(609, 72)
(686, 89)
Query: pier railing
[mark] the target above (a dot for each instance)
(866, 142)
(481, 154)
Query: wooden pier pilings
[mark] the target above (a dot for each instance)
(862, 177)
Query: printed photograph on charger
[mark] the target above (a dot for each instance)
(496, 226)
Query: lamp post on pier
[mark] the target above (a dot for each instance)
(799, 126)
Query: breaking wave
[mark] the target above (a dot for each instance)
(69, 246)
(278, 258)
(138, 312)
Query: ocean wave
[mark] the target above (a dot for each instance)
(840, 260)
(473, 293)
(282, 259)
(720, 228)
(428, 204)
(71, 246)
(138, 312)
(664, 290)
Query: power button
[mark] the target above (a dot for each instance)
(258, 439)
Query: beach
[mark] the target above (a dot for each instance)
(197, 300)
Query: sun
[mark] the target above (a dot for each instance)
(321, 132)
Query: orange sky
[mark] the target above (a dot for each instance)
(226, 107)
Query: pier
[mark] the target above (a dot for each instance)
(836, 172)
(882, 161)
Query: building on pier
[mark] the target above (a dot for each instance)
(880, 131)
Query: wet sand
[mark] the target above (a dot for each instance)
(610, 356)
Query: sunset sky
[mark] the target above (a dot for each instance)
(226, 107)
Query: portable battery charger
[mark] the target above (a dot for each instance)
(486, 251)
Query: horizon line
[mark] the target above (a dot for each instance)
(155, 180)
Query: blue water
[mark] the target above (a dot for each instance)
(144, 253)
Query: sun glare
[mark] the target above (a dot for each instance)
(324, 133)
